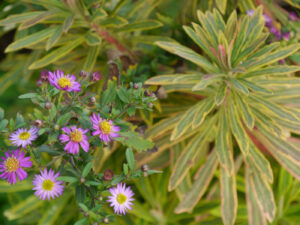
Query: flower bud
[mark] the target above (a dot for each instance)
(83, 74)
(100, 198)
(38, 123)
(147, 93)
(45, 76)
(286, 36)
(145, 168)
(48, 105)
(86, 214)
(92, 100)
(105, 220)
(95, 76)
(136, 86)
(56, 127)
(82, 180)
(293, 16)
(108, 175)
(39, 82)
(150, 105)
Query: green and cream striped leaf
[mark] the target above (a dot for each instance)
(175, 79)
(229, 200)
(204, 108)
(223, 144)
(188, 54)
(207, 80)
(20, 18)
(239, 86)
(244, 110)
(272, 70)
(200, 185)
(221, 94)
(255, 87)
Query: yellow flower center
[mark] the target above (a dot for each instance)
(12, 164)
(76, 136)
(24, 135)
(105, 127)
(48, 185)
(121, 198)
(64, 82)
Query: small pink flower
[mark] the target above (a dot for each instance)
(74, 137)
(23, 137)
(121, 198)
(46, 186)
(12, 165)
(104, 128)
(64, 82)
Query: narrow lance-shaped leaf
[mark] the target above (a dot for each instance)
(91, 58)
(272, 70)
(207, 80)
(221, 94)
(263, 194)
(183, 164)
(55, 37)
(202, 111)
(244, 110)
(228, 197)
(19, 18)
(223, 148)
(174, 79)
(30, 39)
(255, 216)
(200, 185)
(140, 25)
(188, 54)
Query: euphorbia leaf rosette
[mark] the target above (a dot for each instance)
(64, 82)
(121, 198)
(46, 186)
(104, 128)
(23, 137)
(237, 97)
(11, 166)
(75, 137)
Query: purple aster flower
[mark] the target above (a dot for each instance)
(23, 137)
(121, 198)
(276, 32)
(104, 128)
(286, 36)
(268, 21)
(293, 16)
(281, 62)
(74, 137)
(64, 82)
(46, 186)
(95, 76)
(12, 165)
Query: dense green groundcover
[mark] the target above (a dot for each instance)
(206, 94)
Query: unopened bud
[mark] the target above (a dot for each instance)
(95, 76)
(38, 123)
(147, 93)
(82, 180)
(105, 220)
(86, 214)
(45, 76)
(56, 127)
(136, 86)
(150, 105)
(108, 175)
(83, 74)
(145, 168)
(39, 82)
(92, 100)
(48, 105)
(100, 198)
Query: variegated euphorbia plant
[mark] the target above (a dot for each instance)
(245, 109)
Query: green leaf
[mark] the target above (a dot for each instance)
(123, 94)
(67, 179)
(81, 221)
(207, 80)
(270, 58)
(255, 216)
(223, 146)
(221, 94)
(1, 114)
(93, 39)
(125, 168)
(203, 109)
(114, 21)
(130, 159)
(244, 110)
(30, 39)
(133, 140)
(91, 58)
(3, 124)
(188, 54)
(39, 18)
(87, 169)
(228, 197)
(272, 70)
(221, 4)
(263, 194)
(56, 54)
(28, 95)
(54, 37)
(83, 207)
(239, 86)
(62, 120)
(140, 25)
(80, 193)
(174, 79)
(6, 187)
(68, 23)
(20, 18)
(254, 87)
(200, 185)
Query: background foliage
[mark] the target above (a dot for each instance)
(227, 121)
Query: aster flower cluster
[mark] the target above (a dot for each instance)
(73, 126)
